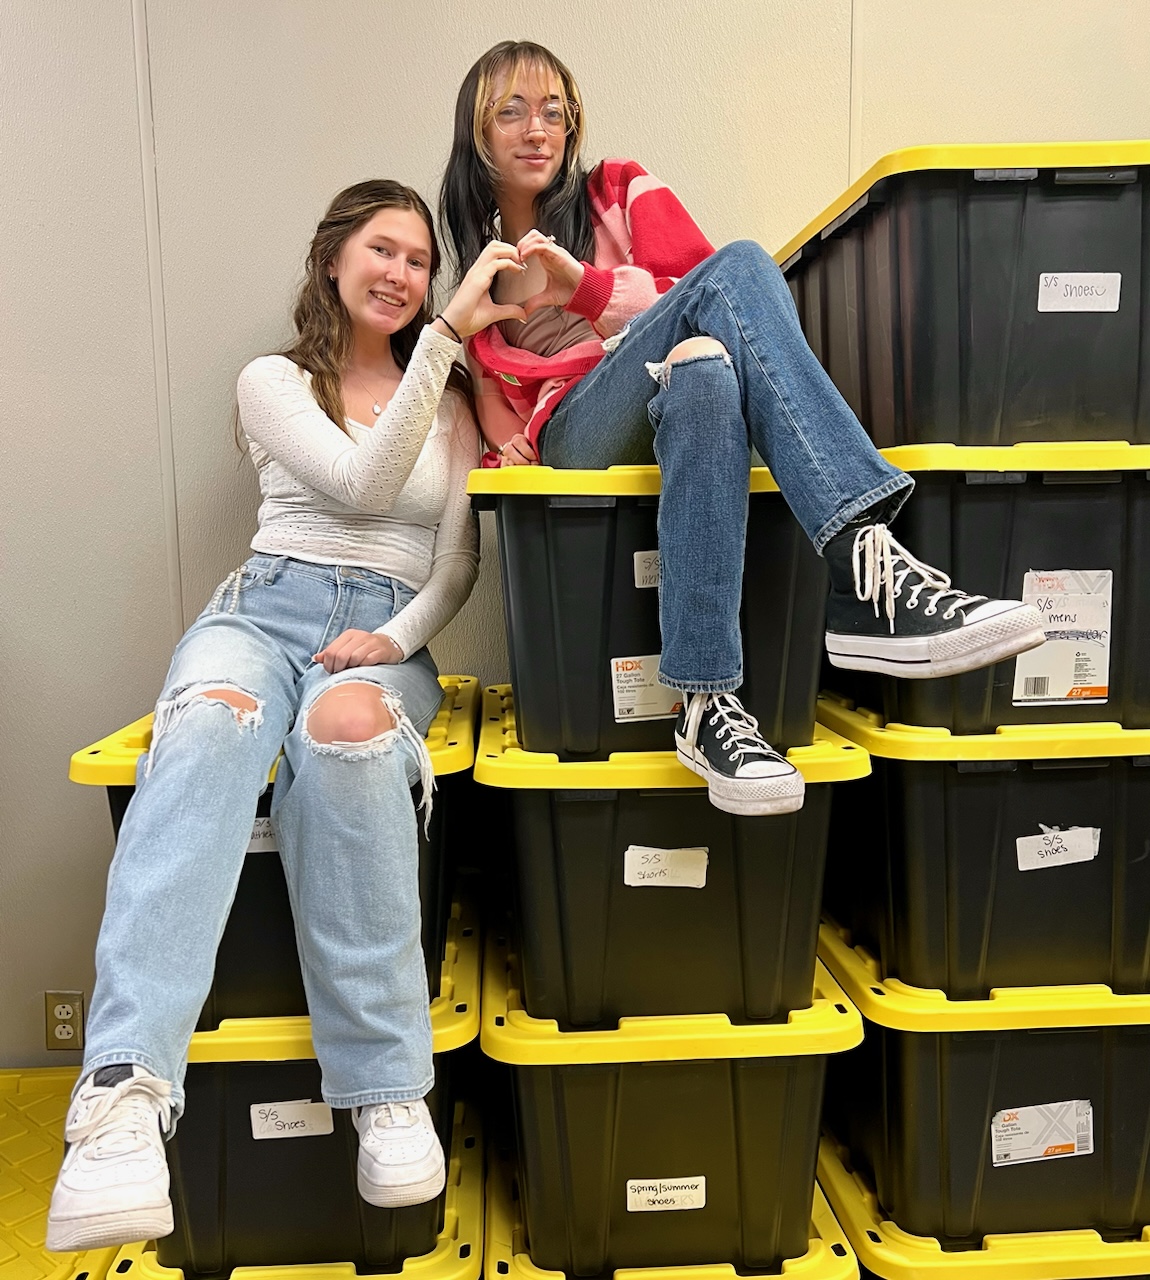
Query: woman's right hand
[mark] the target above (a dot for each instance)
(517, 452)
(472, 308)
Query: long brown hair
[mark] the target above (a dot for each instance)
(467, 203)
(323, 345)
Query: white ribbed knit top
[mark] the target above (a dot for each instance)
(391, 497)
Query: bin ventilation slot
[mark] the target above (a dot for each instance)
(1081, 477)
(1065, 177)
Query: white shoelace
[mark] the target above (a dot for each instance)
(876, 557)
(120, 1120)
(385, 1114)
(738, 731)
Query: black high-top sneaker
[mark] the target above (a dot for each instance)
(718, 740)
(892, 613)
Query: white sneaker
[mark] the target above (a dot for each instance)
(400, 1156)
(113, 1185)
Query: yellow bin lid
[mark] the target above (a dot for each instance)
(920, 743)
(1033, 456)
(502, 762)
(972, 157)
(610, 482)
(509, 1034)
(894, 1254)
(892, 1003)
(454, 1012)
(111, 762)
(455, 1256)
(829, 1256)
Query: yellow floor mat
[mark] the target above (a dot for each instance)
(32, 1107)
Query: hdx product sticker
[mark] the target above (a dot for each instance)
(1049, 1132)
(661, 1195)
(636, 690)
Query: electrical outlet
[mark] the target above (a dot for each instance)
(64, 1019)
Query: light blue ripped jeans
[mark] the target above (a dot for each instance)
(343, 815)
(698, 419)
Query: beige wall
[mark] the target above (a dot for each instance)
(164, 164)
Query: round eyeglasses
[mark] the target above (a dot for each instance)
(515, 116)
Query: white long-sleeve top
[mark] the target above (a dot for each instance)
(391, 497)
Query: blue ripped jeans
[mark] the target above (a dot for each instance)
(698, 419)
(343, 816)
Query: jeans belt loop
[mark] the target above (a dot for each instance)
(273, 570)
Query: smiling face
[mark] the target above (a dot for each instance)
(383, 271)
(525, 153)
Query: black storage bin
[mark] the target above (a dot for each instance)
(257, 966)
(239, 1200)
(990, 517)
(888, 1252)
(573, 547)
(990, 1117)
(976, 872)
(986, 295)
(670, 1142)
(609, 925)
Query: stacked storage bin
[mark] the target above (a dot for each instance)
(656, 996)
(984, 311)
(263, 1173)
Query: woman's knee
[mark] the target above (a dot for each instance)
(351, 712)
(693, 348)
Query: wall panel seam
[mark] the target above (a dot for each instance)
(161, 378)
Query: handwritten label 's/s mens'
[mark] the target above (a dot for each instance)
(1049, 1132)
(636, 690)
(1079, 290)
(302, 1119)
(1054, 848)
(1073, 666)
(659, 1195)
(669, 868)
(263, 837)
(646, 568)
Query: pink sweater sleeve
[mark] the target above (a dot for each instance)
(645, 241)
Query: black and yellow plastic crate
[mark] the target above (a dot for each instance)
(239, 1200)
(888, 1252)
(986, 295)
(579, 556)
(636, 896)
(1066, 527)
(507, 1250)
(668, 1142)
(456, 1253)
(967, 863)
(257, 964)
(1025, 1112)
(33, 1104)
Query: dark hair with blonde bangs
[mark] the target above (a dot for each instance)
(467, 200)
(324, 343)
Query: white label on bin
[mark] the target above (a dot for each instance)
(301, 1119)
(646, 568)
(1074, 663)
(1079, 290)
(1054, 848)
(637, 691)
(1049, 1132)
(659, 1195)
(263, 837)
(669, 868)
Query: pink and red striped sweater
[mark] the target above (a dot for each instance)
(645, 240)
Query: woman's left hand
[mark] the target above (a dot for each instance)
(564, 273)
(358, 649)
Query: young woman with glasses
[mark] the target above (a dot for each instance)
(644, 344)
